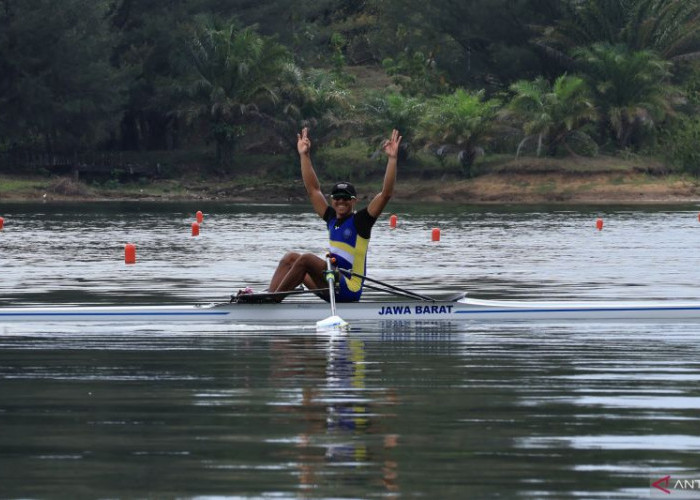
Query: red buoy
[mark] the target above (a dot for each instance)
(436, 234)
(130, 253)
(599, 224)
(200, 216)
(195, 229)
(2, 222)
(392, 221)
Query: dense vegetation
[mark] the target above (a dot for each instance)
(466, 78)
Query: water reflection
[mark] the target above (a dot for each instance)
(346, 434)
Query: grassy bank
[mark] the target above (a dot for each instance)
(275, 178)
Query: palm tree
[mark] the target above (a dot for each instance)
(460, 120)
(237, 72)
(671, 28)
(552, 113)
(393, 110)
(630, 88)
(318, 100)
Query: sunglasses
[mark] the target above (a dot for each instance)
(342, 197)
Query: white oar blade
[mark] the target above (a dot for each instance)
(332, 323)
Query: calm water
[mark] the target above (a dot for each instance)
(478, 411)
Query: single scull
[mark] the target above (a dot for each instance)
(459, 309)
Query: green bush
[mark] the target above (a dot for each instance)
(679, 143)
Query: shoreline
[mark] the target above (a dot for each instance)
(555, 188)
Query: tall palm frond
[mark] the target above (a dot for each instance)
(631, 88)
(464, 120)
(238, 72)
(389, 110)
(669, 27)
(551, 113)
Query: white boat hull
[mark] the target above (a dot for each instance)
(462, 310)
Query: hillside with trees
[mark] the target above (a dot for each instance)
(103, 87)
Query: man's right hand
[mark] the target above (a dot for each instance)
(303, 142)
(391, 146)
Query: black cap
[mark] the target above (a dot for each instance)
(344, 188)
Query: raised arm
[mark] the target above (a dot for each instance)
(308, 175)
(391, 148)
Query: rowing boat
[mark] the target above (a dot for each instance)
(458, 309)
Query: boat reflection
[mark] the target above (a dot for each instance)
(418, 331)
(346, 437)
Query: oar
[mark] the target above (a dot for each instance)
(408, 293)
(391, 292)
(333, 322)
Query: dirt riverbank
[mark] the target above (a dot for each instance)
(601, 181)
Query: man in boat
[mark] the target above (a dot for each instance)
(349, 230)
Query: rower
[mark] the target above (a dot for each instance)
(349, 230)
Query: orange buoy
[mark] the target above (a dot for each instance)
(436, 234)
(2, 223)
(1, 220)
(599, 224)
(130, 253)
(195, 229)
(200, 216)
(392, 221)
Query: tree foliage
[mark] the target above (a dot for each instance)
(393, 110)
(58, 86)
(477, 43)
(238, 74)
(462, 121)
(678, 143)
(319, 100)
(552, 113)
(631, 89)
(147, 75)
(667, 27)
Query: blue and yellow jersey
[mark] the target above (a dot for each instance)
(349, 239)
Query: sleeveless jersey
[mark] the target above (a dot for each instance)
(349, 239)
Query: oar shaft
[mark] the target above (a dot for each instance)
(392, 292)
(330, 278)
(334, 322)
(391, 287)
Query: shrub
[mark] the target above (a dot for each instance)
(679, 143)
